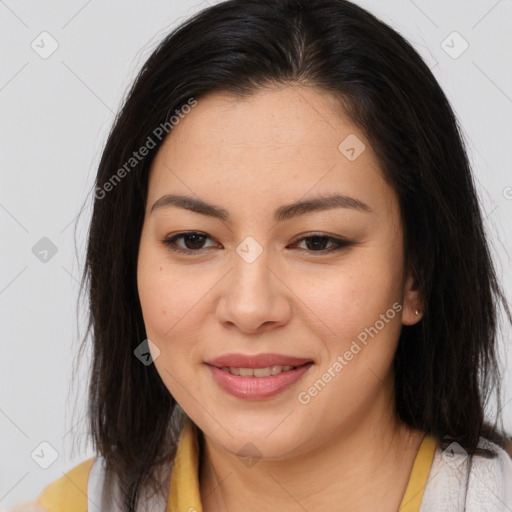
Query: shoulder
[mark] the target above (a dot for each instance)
(457, 482)
(490, 479)
(67, 494)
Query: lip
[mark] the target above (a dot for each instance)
(257, 388)
(256, 361)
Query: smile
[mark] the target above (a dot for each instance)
(252, 382)
(258, 372)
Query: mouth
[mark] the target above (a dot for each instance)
(258, 372)
(257, 361)
(257, 377)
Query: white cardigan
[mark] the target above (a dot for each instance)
(489, 486)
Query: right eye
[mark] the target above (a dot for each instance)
(193, 242)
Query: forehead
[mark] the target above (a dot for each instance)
(271, 122)
(275, 146)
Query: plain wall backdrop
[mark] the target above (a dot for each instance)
(64, 68)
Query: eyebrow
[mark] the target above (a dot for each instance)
(282, 213)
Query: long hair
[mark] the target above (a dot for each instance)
(446, 365)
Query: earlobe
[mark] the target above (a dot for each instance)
(413, 308)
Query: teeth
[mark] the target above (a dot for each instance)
(263, 372)
(258, 372)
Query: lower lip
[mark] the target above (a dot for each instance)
(257, 388)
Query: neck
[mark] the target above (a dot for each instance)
(365, 466)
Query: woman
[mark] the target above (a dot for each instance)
(288, 272)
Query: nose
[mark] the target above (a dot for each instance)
(255, 297)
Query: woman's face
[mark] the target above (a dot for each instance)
(262, 277)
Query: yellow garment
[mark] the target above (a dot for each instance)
(413, 495)
(184, 488)
(69, 493)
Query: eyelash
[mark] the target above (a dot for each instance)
(338, 243)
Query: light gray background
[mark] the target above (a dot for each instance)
(55, 114)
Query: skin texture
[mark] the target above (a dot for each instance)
(345, 449)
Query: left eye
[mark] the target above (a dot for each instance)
(193, 243)
(318, 243)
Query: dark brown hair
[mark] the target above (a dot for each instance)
(446, 365)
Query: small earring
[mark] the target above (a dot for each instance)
(417, 312)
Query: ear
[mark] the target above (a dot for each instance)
(411, 302)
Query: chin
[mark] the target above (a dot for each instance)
(258, 441)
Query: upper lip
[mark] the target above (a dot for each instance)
(256, 361)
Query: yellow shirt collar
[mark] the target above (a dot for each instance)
(184, 486)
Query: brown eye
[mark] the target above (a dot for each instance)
(319, 243)
(193, 242)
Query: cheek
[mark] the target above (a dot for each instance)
(172, 297)
(166, 299)
(354, 300)
(170, 302)
(158, 287)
